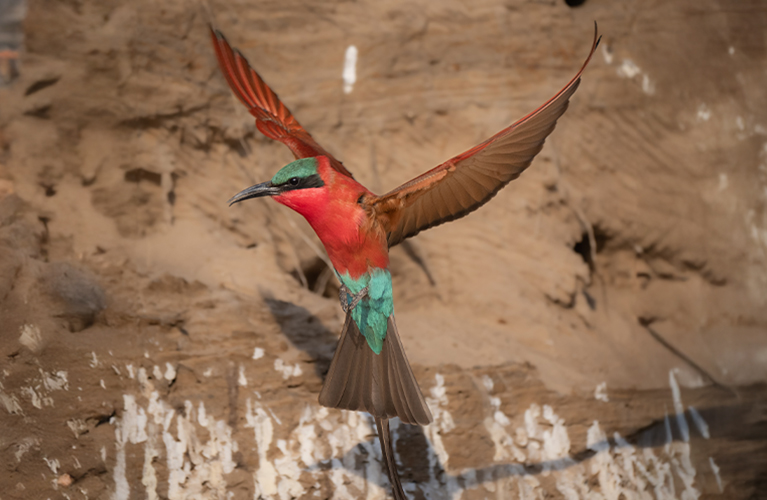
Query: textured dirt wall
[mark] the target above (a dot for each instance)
(599, 329)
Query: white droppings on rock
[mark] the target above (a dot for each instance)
(596, 439)
(35, 398)
(102, 384)
(600, 393)
(341, 448)
(500, 418)
(30, 337)
(274, 416)
(487, 382)
(195, 466)
(700, 424)
(131, 373)
(681, 421)
(505, 449)
(548, 440)
(715, 470)
(438, 457)
(623, 471)
(170, 372)
(157, 373)
(350, 69)
(23, 446)
(132, 427)
(265, 478)
(648, 86)
(287, 370)
(52, 464)
(556, 441)
(628, 69)
(443, 421)
(11, 403)
(258, 353)
(77, 426)
(241, 380)
(55, 381)
(119, 475)
(94, 362)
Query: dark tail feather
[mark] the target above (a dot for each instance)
(382, 424)
(380, 384)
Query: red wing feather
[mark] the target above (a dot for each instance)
(273, 118)
(469, 180)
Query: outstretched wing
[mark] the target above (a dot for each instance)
(468, 181)
(273, 118)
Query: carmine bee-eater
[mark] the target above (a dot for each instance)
(370, 371)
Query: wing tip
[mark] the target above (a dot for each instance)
(597, 36)
(216, 35)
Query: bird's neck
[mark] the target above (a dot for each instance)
(355, 244)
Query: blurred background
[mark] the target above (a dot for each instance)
(598, 330)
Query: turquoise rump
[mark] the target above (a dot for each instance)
(372, 313)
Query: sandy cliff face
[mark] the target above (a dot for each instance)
(599, 329)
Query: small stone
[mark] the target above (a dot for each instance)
(64, 480)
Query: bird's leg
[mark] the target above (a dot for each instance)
(344, 295)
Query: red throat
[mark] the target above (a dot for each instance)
(353, 244)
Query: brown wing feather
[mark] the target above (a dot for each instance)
(380, 384)
(273, 118)
(469, 180)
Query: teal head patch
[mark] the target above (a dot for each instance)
(301, 169)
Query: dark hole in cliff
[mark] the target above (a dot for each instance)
(583, 247)
(575, 3)
(140, 174)
(319, 277)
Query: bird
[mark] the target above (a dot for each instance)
(370, 371)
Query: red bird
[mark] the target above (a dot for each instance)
(370, 371)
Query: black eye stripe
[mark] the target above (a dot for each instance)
(311, 181)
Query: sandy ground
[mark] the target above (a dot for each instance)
(597, 331)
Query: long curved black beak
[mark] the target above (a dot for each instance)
(257, 191)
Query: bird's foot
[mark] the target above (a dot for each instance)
(348, 300)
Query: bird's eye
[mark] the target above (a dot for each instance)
(293, 181)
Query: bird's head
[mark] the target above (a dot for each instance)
(297, 185)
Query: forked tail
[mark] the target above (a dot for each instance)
(380, 384)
